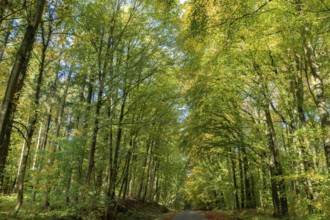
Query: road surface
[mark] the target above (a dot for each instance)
(189, 215)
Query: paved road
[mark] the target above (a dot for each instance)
(189, 215)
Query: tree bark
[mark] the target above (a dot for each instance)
(32, 124)
(5, 41)
(40, 164)
(102, 70)
(278, 190)
(92, 149)
(319, 93)
(249, 203)
(233, 167)
(144, 169)
(278, 187)
(55, 146)
(34, 164)
(241, 175)
(15, 83)
(303, 143)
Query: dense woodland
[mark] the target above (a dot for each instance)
(213, 105)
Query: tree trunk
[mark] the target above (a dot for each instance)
(102, 70)
(68, 186)
(277, 183)
(15, 84)
(127, 168)
(94, 135)
(303, 143)
(32, 121)
(5, 41)
(248, 190)
(235, 183)
(144, 170)
(59, 120)
(34, 164)
(88, 101)
(278, 188)
(40, 164)
(110, 194)
(114, 166)
(319, 93)
(241, 177)
(3, 6)
(148, 177)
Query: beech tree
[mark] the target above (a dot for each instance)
(15, 83)
(198, 104)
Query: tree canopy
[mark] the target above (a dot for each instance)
(212, 105)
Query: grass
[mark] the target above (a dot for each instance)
(267, 215)
(31, 211)
(131, 209)
(139, 210)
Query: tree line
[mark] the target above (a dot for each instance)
(88, 111)
(208, 104)
(257, 84)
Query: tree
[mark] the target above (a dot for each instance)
(15, 83)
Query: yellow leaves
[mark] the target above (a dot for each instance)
(3, 78)
(165, 5)
(62, 40)
(298, 177)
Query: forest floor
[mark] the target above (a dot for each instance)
(199, 215)
(251, 214)
(129, 210)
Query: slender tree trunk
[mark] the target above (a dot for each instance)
(278, 187)
(114, 161)
(148, 177)
(247, 185)
(303, 143)
(59, 120)
(55, 146)
(94, 135)
(152, 178)
(32, 123)
(47, 128)
(88, 101)
(125, 173)
(157, 191)
(127, 168)
(278, 190)
(3, 6)
(68, 186)
(241, 175)
(144, 170)
(34, 164)
(15, 84)
(319, 92)
(233, 167)
(102, 70)
(5, 41)
(110, 194)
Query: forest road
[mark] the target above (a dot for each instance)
(189, 215)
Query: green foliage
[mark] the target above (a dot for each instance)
(252, 59)
(175, 100)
